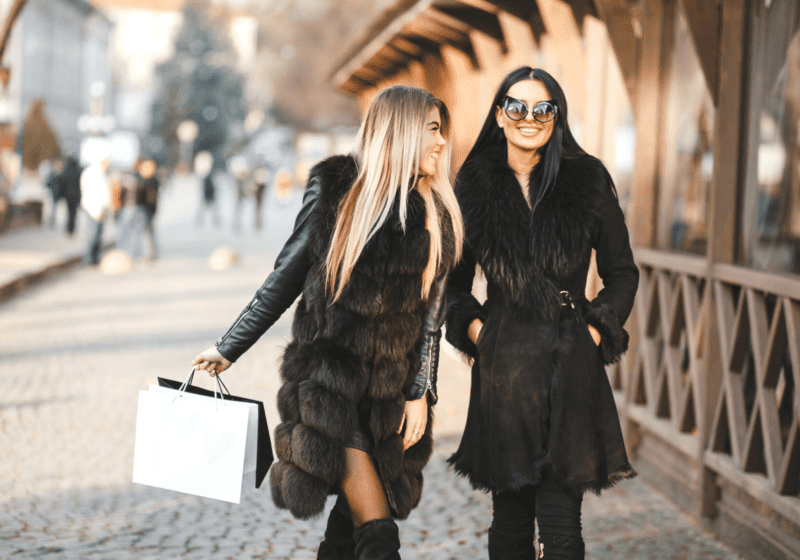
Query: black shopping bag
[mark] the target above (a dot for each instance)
(264, 457)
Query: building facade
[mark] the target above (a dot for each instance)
(694, 106)
(56, 52)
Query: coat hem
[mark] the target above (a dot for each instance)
(521, 480)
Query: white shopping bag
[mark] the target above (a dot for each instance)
(205, 446)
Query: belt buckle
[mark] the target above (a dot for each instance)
(566, 299)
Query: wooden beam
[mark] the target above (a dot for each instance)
(405, 50)
(729, 134)
(11, 19)
(582, 9)
(388, 25)
(617, 16)
(704, 24)
(647, 107)
(422, 43)
(521, 42)
(522, 10)
(559, 21)
(479, 20)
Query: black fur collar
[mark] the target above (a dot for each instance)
(530, 254)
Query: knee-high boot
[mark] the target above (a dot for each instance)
(338, 543)
(377, 540)
(561, 547)
(510, 547)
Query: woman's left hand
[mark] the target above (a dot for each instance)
(595, 335)
(415, 417)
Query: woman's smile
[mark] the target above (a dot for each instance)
(529, 131)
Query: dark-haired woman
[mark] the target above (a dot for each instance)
(371, 249)
(542, 426)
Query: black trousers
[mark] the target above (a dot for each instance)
(557, 512)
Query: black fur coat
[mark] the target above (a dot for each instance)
(541, 404)
(349, 363)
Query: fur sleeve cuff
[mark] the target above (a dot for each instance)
(462, 309)
(614, 338)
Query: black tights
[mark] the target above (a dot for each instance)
(511, 534)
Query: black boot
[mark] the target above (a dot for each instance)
(510, 547)
(338, 543)
(560, 547)
(377, 540)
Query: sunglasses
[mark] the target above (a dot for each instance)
(516, 110)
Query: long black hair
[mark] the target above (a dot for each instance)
(562, 143)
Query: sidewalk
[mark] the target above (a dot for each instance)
(30, 254)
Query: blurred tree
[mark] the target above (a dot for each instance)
(200, 82)
(38, 140)
(299, 43)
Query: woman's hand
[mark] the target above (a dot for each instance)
(595, 335)
(212, 361)
(474, 330)
(415, 417)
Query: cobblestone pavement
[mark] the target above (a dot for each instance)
(76, 351)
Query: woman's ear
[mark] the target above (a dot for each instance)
(500, 116)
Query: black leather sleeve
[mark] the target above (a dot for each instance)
(280, 289)
(425, 381)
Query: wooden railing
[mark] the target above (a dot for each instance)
(714, 370)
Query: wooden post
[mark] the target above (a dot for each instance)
(730, 135)
(617, 16)
(469, 110)
(520, 40)
(559, 21)
(647, 105)
(703, 17)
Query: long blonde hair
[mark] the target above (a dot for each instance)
(389, 152)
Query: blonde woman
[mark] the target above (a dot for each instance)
(370, 252)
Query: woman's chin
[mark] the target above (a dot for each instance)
(527, 144)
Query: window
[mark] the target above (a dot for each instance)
(687, 160)
(769, 226)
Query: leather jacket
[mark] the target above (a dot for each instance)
(285, 284)
(428, 345)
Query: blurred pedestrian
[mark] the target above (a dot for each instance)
(150, 185)
(69, 188)
(95, 200)
(116, 184)
(259, 185)
(135, 218)
(370, 253)
(241, 174)
(53, 185)
(542, 426)
(204, 169)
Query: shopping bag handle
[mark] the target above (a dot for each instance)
(219, 386)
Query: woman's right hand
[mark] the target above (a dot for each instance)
(474, 330)
(212, 361)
